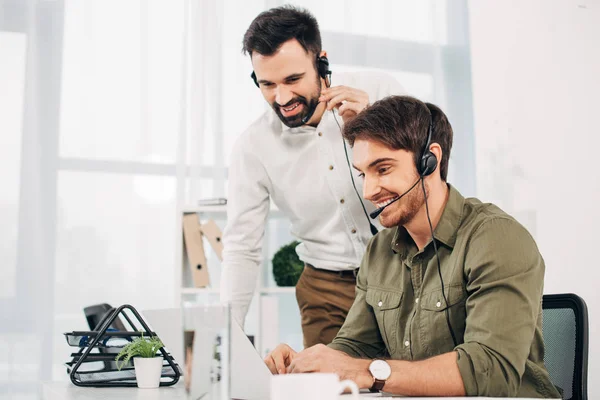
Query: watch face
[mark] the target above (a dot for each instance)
(380, 370)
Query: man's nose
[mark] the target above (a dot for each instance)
(283, 95)
(370, 188)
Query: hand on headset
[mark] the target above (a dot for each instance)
(347, 100)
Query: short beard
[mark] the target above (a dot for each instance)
(406, 209)
(309, 107)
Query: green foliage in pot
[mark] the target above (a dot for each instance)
(287, 267)
(145, 347)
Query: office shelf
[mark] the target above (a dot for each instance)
(264, 290)
(278, 290)
(274, 212)
(188, 290)
(266, 308)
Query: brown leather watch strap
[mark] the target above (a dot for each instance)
(377, 385)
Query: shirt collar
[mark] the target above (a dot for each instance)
(446, 229)
(301, 129)
(451, 219)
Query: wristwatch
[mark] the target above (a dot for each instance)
(381, 371)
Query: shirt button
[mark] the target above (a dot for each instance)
(438, 304)
(320, 133)
(417, 300)
(353, 231)
(342, 201)
(331, 167)
(380, 303)
(407, 343)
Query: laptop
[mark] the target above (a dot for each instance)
(168, 325)
(250, 378)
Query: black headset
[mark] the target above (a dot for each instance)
(325, 73)
(322, 69)
(426, 165)
(428, 161)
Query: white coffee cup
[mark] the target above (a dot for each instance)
(311, 386)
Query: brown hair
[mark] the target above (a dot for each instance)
(271, 28)
(402, 122)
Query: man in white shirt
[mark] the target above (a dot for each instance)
(294, 154)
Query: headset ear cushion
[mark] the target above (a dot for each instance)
(323, 67)
(253, 76)
(428, 164)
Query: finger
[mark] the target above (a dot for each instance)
(304, 364)
(291, 355)
(350, 93)
(293, 362)
(270, 364)
(278, 359)
(290, 358)
(344, 96)
(331, 106)
(330, 93)
(349, 108)
(290, 367)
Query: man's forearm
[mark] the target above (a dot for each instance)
(436, 376)
(238, 284)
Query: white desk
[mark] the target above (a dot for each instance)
(68, 391)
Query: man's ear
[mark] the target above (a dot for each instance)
(323, 53)
(436, 149)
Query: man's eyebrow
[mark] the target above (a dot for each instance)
(287, 78)
(374, 163)
(297, 75)
(380, 160)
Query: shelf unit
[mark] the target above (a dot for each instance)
(260, 323)
(264, 290)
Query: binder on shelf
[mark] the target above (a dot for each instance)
(193, 232)
(213, 233)
(82, 368)
(192, 235)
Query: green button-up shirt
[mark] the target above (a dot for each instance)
(493, 279)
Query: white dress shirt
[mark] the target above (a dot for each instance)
(304, 172)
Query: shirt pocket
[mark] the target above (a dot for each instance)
(433, 326)
(386, 307)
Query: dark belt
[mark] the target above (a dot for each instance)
(349, 273)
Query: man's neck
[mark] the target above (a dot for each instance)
(418, 228)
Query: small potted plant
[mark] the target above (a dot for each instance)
(287, 266)
(148, 365)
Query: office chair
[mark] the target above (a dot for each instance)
(565, 331)
(95, 316)
(96, 313)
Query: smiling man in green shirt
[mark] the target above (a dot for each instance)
(465, 322)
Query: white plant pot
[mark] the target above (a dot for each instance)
(148, 371)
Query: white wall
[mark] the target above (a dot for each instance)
(536, 93)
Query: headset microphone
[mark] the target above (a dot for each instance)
(309, 115)
(376, 213)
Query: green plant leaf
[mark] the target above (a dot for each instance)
(287, 266)
(145, 347)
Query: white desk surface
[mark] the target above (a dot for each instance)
(68, 391)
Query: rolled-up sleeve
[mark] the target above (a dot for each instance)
(504, 273)
(360, 336)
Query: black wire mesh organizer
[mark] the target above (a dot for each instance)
(99, 369)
